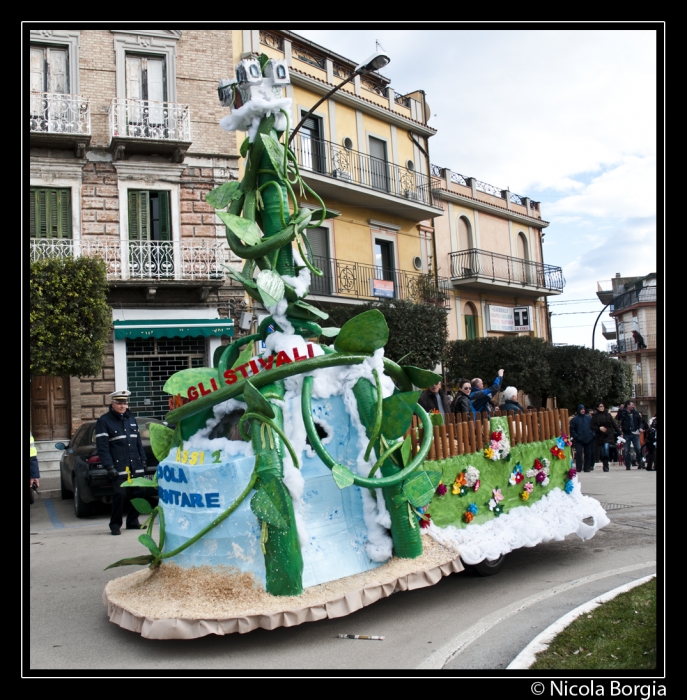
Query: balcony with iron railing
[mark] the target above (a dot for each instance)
(353, 177)
(145, 126)
(343, 278)
(58, 120)
(645, 295)
(187, 260)
(630, 345)
(482, 270)
(643, 390)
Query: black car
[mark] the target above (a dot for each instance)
(83, 477)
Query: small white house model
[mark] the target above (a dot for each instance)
(250, 83)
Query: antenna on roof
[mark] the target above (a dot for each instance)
(379, 47)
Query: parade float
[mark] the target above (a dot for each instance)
(306, 481)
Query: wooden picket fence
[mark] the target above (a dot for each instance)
(462, 435)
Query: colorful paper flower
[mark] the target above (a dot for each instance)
(541, 477)
(518, 468)
(570, 486)
(545, 462)
(538, 464)
(441, 489)
(498, 510)
(561, 443)
(512, 480)
(497, 435)
(488, 453)
(531, 473)
(525, 495)
(492, 504)
(426, 520)
(498, 496)
(495, 445)
(519, 477)
(528, 487)
(471, 476)
(572, 473)
(455, 489)
(461, 479)
(478, 483)
(545, 482)
(468, 516)
(473, 508)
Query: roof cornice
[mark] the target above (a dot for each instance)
(479, 205)
(306, 80)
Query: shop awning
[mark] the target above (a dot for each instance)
(174, 328)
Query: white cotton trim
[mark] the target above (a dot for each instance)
(301, 283)
(248, 117)
(552, 518)
(229, 448)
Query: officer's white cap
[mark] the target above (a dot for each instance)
(120, 395)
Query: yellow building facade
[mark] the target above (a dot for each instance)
(364, 150)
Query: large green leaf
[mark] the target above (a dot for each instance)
(317, 214)
(342, 476)
(180, 381)
(140, 482)
(421, 378)
(299, 309)
(141, 505)
(365, 332)
(160, 440)
(330, 332)
(397, 413)
(255, 401)
(241, 279)
(147, 541)
(420, 487)
(133, 561)
(221, 196)
(270, 504)
(244, 147)
(406, 451)
(271, 287)
(244, 356)
(275, 152)
(248, 231)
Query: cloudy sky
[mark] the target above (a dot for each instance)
(564, 116)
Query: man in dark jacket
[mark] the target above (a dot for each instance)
(583, 438)
(119, 446)
(434, 399)
(480, 398)
(510, 403)
(605, 429)
(632, 425)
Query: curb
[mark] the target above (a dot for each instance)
(541, 642)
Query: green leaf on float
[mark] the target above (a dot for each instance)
(330, 332)
(275, 152)
(245, 146)
(365, 333)
(406, 451)
(147, 541)
(270, 504)
(160, 441)
(244, 356)
(141, 505)
(141, 482)
(263, 59)
(398, 413)
(317, 214)
(133, 561)
(419, 488)
(421, 378)
(222, 196)
(342, 476)
(301, 219)
(244, 229)
(271, 287)
(241, 279)
(255, 401)
(299, 309)
(181, 381)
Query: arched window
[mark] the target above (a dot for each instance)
(470, 316)
(524, 254)
(464, 234)
(466, 264)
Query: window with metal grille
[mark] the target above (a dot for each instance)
(151, 362)
(50, 213)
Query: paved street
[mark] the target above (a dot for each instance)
(463, 622)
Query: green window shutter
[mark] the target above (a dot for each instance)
(165, 216)
(50, 214)
(139, 215)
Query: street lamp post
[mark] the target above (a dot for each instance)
(595, 322)
(377, 60)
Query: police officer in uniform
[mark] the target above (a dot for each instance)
(120, 449)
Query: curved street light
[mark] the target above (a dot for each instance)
(377, 60)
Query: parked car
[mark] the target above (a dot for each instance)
(83, 478)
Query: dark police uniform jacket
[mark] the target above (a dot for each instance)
(119, 444)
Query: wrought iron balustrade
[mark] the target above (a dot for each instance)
(332, 160)
(350, 279)
(57, 113)
(146, 119)
(628, 344)
(142, 260)
(635, 296)
(472, 263)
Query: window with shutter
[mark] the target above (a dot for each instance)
(150, 227)
(50, 213)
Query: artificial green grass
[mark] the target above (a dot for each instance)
(619, 634)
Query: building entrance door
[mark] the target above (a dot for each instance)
(50, 410)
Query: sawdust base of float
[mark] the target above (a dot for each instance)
(171, 602)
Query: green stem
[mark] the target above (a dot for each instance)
(274, 426)
(273, 183)
(378, 416)
(384, 457)
(316, 271)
